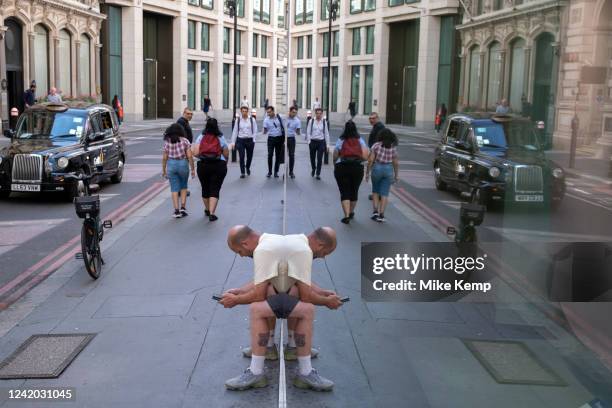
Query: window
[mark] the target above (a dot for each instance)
(497, 4)
(357, 6)
(325, 9)
(356, 41)
(479, 7)
(264, 46)
(254, 87)
(325, 44)
(517, 74)
(65, 73)
(226, 40)
(336, 41)
(355, 85)
(494, 74)
(334, 90)
(255, 44)
(226, 90)
(204, 79)
(393, 3)
(238, 42)
(191, 34)
(205, 38)
(115, 82)
(300, 86)
(309, 46)
(261, 11)
(280, 13)
(207, 4)
(369, 5)
(300, 48)
(239, 6)
(84, 66)
(324, 83)
(41, 57)
(368, 85)
(308, 87)
(304, 10)
(194, 2)
(237, 97)
(191, 84)
(370, 40)
(474, 76)
(262, 86)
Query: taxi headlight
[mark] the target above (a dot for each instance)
(62, 162)
(0, 159)
(494, 172)
(557, 173)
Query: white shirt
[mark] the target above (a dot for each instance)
(245, 102)
(274, 250)
(316, 105)
(243, 130)
(317, 130)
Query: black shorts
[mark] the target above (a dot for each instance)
(282, 304)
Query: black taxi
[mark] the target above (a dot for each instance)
(500, 153)
(61, 148)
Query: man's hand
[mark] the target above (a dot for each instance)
(326, 293)
(229, 300)
(235, 291)
(333, 302)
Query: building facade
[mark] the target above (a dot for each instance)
(55, 43)
(585, 77)
(510, 50)
(395, 57)
(161, 56)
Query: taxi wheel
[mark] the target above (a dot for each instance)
(79, 189)
(118, 176)
(440, 185)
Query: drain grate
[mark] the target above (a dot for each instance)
(44, 355)
(511, 362)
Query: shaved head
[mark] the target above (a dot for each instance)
(322, 241)
(243, 240)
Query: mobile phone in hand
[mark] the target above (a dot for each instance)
(345, 299)
(217, 296)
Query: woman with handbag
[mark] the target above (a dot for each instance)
(212, 152)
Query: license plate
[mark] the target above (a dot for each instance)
(529, 198)
(25, 187)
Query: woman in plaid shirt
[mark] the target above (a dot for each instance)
(176, 161)
(384, 166)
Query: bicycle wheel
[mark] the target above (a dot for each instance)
(90, 248)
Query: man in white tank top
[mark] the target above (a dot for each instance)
(281, 288)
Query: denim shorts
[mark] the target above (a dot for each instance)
(178, 174)
(382, 178)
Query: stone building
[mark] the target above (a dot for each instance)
(55, 43)
(510, 50)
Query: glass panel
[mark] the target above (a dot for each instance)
(325, 44)
(280, 13)
(205, 38)
(517, 75)
(264, 46)
(237, 97)
(336, 40)
(308, 87)
(191, 36)
(65, 73)
(325, 77)
(356, 6)
(240, 8)
(262, 86)
(334, 90)
(114, 30)
(369, 83)
(265, 12)
(309, 11)
(238, 43)
(194, 2)
(395, 2)
(370, 5)
(191, 84)
(226, 91)
(370, 40)
(208, 4)
(300, 48)
(474, 76)
(356, 41)
(309, 47)
(256, 10)
(255, 44)
(494, 75)
(355, 84)
(299, 12)
(299, 86)
(324, 9)
(226, 41)
(254, 87)
(204, 80)
(41, 58)
(84, 67)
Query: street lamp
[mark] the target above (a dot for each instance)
(231, 5)
(332, 8)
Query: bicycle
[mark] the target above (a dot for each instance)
(92, 232)
(471, 215)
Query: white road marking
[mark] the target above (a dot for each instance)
(581, 191)
(526, 235)
(17, 232)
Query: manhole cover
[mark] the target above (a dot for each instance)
(511, 362)
(44, 355)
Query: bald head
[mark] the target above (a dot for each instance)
(243, 240)
(322, 241)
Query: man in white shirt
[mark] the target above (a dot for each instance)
(243, 137)
(316, 104)
(281, 288)
(294, 128)
(245, 102)
(317, 135)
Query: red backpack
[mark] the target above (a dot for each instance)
(210, 146)
(351, 149)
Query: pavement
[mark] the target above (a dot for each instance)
(162, 342)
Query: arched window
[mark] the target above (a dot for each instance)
(65, 63)
(517, 74)
(494, 74)
(473, 76)
(84, 66)
(41, 59)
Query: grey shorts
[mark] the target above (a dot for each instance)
(282, 304)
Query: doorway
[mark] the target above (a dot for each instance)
(13, 48)
(157, 42)
(402, 73)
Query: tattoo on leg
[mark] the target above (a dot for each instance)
(263, 339)
(300, 339)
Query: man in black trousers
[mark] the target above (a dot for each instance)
(273, 127)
